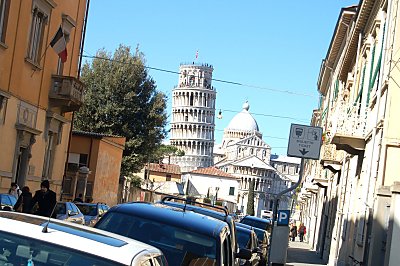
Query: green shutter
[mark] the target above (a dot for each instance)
(371, 74)
(359, 96)
(336, 91)
(374, 74)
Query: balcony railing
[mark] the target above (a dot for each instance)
(331, 157)
(348, 127)
(66, 92)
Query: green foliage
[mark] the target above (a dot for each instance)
(121, 99)
(207, 200)
(250, 199)
(136, 181)
(166, 151)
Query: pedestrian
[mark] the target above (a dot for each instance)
(302, 232)
(293, 231)
(14, 190)
(45, 199)
(23, 203)
(78, 199)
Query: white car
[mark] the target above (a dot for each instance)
(34, 240)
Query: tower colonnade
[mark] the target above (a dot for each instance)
(193, 116)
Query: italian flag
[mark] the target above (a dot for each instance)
(59, 45)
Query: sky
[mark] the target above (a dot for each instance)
(273, 48)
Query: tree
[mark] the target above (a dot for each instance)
(250, 198)
(121, 99)
(166, 151)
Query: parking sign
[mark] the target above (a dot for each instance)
(283, 217)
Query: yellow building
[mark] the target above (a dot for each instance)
(38, 93)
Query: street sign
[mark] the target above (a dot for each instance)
(304, 141)
(283, 217)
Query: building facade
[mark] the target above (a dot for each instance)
(349, 199)
(94, 164)
(244, 154)
(193, 117)
(38, 91)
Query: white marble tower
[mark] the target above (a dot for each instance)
(193, 114)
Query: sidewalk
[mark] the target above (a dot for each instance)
(299, 254)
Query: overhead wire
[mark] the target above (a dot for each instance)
(213, 79)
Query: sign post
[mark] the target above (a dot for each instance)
(305, 143)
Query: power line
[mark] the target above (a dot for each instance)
(269, 115)
(214, 79)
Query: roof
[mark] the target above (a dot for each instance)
(164, 168)
(93, 134)
(77, 237)
(176, 217)
(212, 171)
(243, 121)
(285, 159)
(253, 162)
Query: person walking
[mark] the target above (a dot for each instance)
(302, 232)
(14, 190)
(45, 198)
(293, 231)
(23, 203)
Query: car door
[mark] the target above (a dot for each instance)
(77, 216)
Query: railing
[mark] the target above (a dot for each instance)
(329, 153)
(348, 119)
(67, 88)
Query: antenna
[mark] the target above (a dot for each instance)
(44, 230)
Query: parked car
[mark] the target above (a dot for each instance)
(209, 210)
(92, 211)
(185, 238)
(263, 241)
(7, 202)
(67, 211)
(264, 224)
(246, 238)
(27, 239)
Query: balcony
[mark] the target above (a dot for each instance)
(348, 127)
(331, 158)
(66, 93)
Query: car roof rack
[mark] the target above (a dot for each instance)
(194, 202)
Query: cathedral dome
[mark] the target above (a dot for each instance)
(243, 121)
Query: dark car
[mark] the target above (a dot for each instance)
(67, 211)
(92, 211)
(263, 241)
(246, 238)
(264, 224)
(185, 237)
(201, 208)
(7, 202)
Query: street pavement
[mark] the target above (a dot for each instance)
(300, 254)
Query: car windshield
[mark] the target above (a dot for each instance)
(242, 238)
(90, 210)
(60, 208)
(180, 247)
(19, 250)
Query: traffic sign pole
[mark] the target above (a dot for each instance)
(275, 213)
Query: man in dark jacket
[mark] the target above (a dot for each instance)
(24, 201)
(45, 198)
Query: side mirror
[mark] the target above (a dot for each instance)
(244, 254)
(71, 213)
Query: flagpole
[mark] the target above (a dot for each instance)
(40, 59)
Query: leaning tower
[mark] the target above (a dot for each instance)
(193, 112)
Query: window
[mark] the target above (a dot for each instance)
(168, 178)
(231, 191)
(3, 107)
(49, 155)
(4, 8)
(39, 20)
